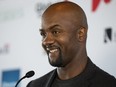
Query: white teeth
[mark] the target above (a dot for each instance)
(47, 49)
(54, 50)
(51, 50)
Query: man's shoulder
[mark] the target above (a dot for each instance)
(98, 77)
(41, 80)
(103, 77)
(101, 74)
(45, 77)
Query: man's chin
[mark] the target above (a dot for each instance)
(57, 63)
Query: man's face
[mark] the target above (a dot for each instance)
(59, 38)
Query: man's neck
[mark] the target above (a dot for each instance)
(72, 70)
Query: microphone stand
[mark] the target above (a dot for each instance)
(20, 80)
(28, 75)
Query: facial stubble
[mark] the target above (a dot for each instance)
(58, 62)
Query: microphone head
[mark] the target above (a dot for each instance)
(29, 74)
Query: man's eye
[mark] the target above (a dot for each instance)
(55, 32)
(42, 34)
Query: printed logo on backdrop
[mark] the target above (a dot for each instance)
(96, 3)
(41, 6)
(109, 35)
(4, 49)
(10, 77)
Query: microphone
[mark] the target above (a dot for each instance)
(27, 75)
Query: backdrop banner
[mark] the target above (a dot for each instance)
(20, 41)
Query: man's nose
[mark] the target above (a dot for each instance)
(48, 40)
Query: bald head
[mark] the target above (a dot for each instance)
(64, 32)
(70, 10)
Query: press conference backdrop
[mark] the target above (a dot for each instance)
(20, 41)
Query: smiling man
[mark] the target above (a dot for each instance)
(64, 33)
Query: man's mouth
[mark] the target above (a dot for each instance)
(52, 50)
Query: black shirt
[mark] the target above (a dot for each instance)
(85, 78)
(92, 76)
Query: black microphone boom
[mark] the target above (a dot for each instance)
(27, 75)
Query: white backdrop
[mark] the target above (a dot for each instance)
(20, 42)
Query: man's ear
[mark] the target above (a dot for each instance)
(82, 34)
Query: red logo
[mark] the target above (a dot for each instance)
(95, 4)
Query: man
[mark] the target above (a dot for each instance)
(64, 33)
